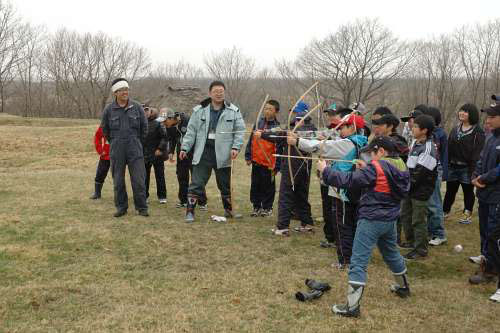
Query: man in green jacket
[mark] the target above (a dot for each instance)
(215, 132)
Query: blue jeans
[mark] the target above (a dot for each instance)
(435, 215)
(368, 234)
(488, 219)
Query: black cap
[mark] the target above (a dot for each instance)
(493, 110)
(380, 142)
(387, 119)
(412, 114)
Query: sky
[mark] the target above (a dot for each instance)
(187, 30)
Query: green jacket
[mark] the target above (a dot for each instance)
(197, 132)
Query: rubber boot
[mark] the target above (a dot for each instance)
(401, 286)
(191, 205)
(97, 191)
(352, 307)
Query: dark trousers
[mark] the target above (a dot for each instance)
(102, 171)
(451, 192)
(263, 187)
(183, 169)
(137, 174)
(494, 248)
(488, 222)
(328, 211)
(294, 198)
(346, 218)
(202, 172)
(159, 169)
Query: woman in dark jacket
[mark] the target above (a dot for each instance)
(465, 143)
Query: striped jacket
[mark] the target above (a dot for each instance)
(422, 164)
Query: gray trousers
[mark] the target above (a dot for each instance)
(202, 172)
(122, 155)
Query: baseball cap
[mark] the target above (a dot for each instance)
(380, 142)
(496, 98)
(166, 115)
(493, 110)
(352, 119)
(412, 114)
(387, 119)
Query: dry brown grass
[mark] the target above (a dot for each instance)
(67, 265)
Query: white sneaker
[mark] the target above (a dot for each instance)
(436, 241)
(163, 201)
(281, 232)
(203, 207)
(495, 297)
(477, 260)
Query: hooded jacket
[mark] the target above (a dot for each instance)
(464, 149)
(487, 168)
(383, 185)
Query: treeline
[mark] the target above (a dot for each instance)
(68, 74)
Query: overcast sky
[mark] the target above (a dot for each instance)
(267, 30)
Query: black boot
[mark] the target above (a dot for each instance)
(191, 204)
(97, 191)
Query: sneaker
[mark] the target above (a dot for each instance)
(446, 215)
(495, 297)
(144, 212)
(181, 205)
(303, 228)
(326, 244)
(163, 201)
(339, 266)
(266, 212)
(436, 241)
(256, 212)
(203, 207)
(120, 213)
(415, 254)
(482, 277)
(407, 245)
(466, 218)
(477, 260)
(189, 217)
(281, 232)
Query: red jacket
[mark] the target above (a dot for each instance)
(101, 145)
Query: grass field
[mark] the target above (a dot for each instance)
(66, 265)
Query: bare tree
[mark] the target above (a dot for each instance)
(27, 71)
(82, 67)
(12, 39)
(475, 46)
(357, 61)
(235, 69)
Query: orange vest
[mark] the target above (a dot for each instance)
(262, 153)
